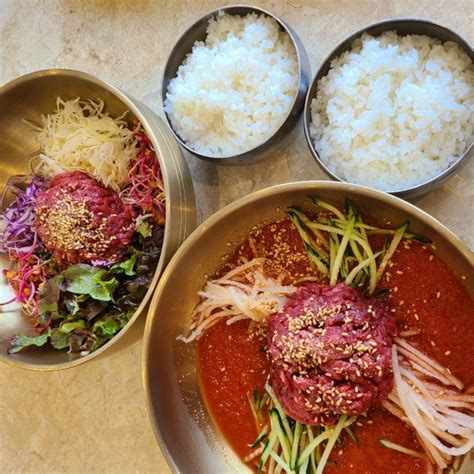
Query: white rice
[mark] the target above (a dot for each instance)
(235, 89)
(394, 111)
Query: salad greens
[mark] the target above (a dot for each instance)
(82, 307)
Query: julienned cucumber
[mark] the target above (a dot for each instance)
(337, 244)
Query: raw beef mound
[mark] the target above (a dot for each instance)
(79, 220)
(330, 352)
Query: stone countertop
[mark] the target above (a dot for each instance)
(93, 418)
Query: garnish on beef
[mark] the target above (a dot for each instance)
(330, 352)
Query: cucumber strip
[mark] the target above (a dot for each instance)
(326, 227)
(280, 461)
(312, 458)
(352, 435)
(317, 454)
(397, 238)
(331, 442)
(253, 409)
(313, 258)
(359, 225)
(385, 244)
(263, 400)
(271, 463)
(304, 219)
(279, 408)
(363, 228)
(418, 238)
(277, 426)
(333, 246)
(348, 208)
(295, 446)
(261, 436)
(312, 446)
(315, 254)
(340, 252)
(304, 467)
(363, 243)
(256, 396)
(344, 269)
(355, 247)
(329, 207)
(357, 254)
(267, 450)
(354, 272)
(359, 280)
(396, 447)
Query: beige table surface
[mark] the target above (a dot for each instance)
(93, 418)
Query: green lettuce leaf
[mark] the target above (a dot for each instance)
(49, 297)
(69, 327)
(59, 339)
(85, 279)
(106, 327)
(125, 267)
(71, 301)
(144, 229)
(19, 342)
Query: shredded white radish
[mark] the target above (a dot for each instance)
(81, 136)
(243, 293)
(428, 398)
(416, 355)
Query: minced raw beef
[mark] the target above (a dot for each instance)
(330, 351)
(79, 220)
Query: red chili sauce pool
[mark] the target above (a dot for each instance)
(427, 297)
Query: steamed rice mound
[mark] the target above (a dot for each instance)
(235, 89)
(394, 111)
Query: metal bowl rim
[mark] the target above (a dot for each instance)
(159, 267)
(311, 95)
(245, 154)
(202, 229)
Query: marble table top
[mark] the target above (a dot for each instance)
(93, 418)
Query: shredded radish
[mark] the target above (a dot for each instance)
(81, 136)
(243, 293)
(428, 398)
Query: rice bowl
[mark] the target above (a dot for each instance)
(242, 112)
(406, 129)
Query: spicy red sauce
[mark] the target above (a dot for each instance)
(232, 365)
(427, 297)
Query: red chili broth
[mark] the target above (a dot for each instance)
(427, 297)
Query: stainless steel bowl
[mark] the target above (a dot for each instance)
(34, 94)
(197, 32)
(402, 27)
(189, 439)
